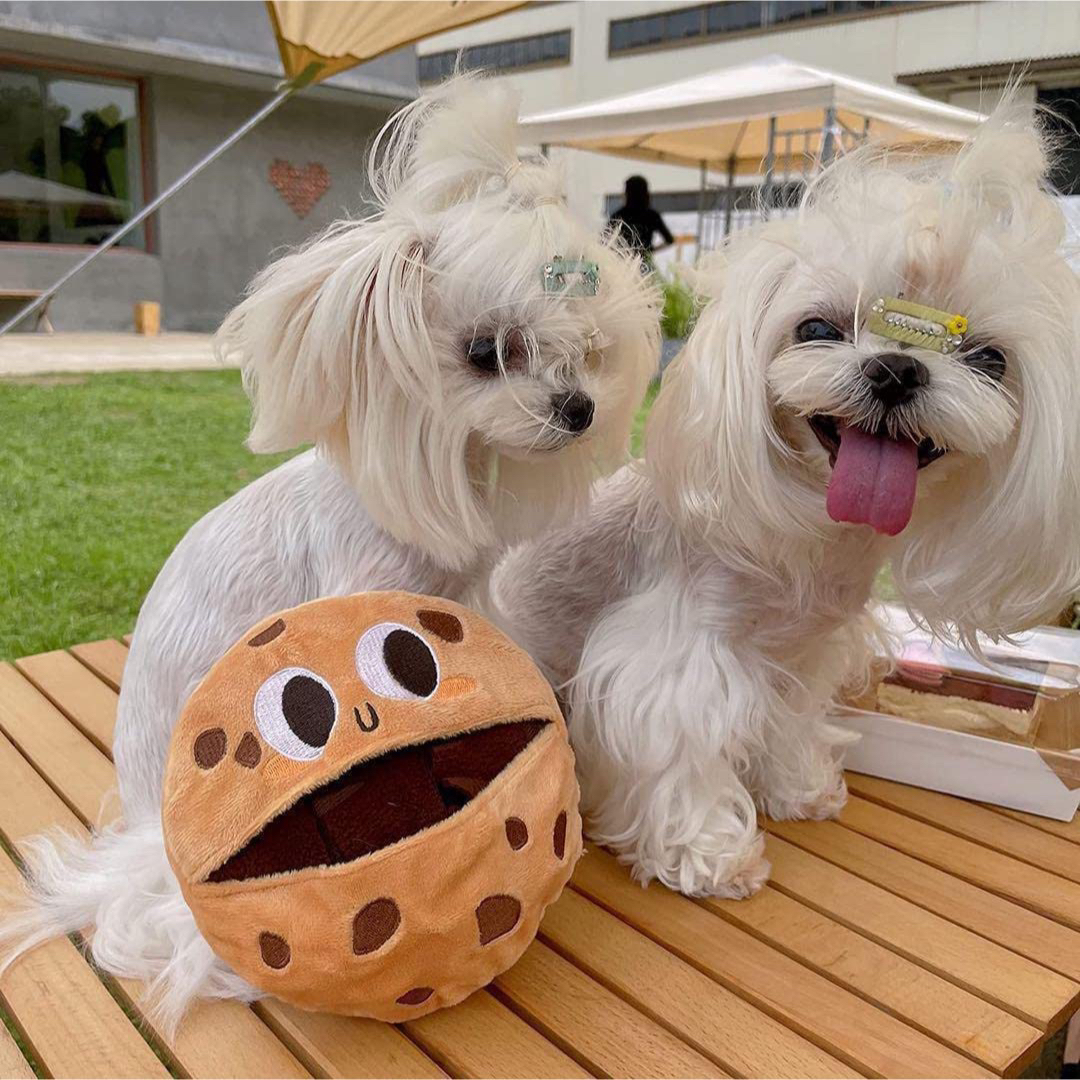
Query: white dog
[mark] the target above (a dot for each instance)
(466, 361)
(706, 612)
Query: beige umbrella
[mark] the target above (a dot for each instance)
(332, 37)
(316, 39)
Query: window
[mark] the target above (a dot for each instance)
(728, 17)
(70, 166)
(553, 48)
(1064, 122)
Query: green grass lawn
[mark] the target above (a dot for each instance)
(100, 476)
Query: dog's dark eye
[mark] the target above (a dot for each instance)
(987, 361)
(484, 355)
(817, 330)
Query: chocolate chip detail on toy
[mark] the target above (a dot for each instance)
(442, 624)
(517, 833)
(416, 996)
(559, 836)
(308, 708)
(275, 950)
(375, 924)
(209, 747)
(264, 637)
(496, 916)
(248, 753)
(411, 662)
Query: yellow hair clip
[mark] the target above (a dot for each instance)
(916, 324)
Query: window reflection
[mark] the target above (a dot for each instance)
(69, 157)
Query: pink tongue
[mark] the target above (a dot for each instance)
(873, 481)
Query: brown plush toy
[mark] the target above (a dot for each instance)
(369, 803)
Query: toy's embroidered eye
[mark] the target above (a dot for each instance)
(987, 361)
(484, 355)
(295, 712)
(817, 330)
(396, 662)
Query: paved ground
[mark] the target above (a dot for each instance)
(56, 354)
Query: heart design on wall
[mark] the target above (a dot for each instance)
(300, 188)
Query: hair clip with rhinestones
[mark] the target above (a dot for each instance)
(571, 277)
(916, 324)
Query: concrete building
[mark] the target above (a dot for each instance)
(567, 53)
(103, 105)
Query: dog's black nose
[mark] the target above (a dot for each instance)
(894, 377)
(572, 412)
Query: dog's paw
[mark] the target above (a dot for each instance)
(820, 806)
(705, 870)
(746, 881)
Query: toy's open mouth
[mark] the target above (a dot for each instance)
(874, 474)
(379, 801)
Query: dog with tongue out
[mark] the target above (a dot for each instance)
(890, 376)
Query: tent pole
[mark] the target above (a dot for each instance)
(731, 162)
(770, 164)
(828, 137)
(285, 91)
(701, 208)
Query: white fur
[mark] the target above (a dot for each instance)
(424, 468)
(702, 617)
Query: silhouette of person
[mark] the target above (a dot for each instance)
(636, 222)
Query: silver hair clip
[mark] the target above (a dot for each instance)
(915, 324)
(558, 276)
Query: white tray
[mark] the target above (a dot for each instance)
(956, 763)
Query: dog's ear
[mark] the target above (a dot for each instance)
(307, 331)
(712, 447)
(996, 548)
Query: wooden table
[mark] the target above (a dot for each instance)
(919, 935)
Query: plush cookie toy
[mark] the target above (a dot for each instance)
(369, 803)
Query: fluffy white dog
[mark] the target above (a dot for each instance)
(464, 386)
(817, 424)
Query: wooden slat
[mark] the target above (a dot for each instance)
(482, 1037)
(955, 1017)
(60, 677)
(843, 1023)
(972, 821)
(1040, 939)
(596, 1028)
(58, 750)
(219, 1039)
(1037, 889)
(71, 1022)
(27, 804)
(1067, 830)
(1029, 990)
(13, 1066)
(719, 1023)
(105, 659)
(345, 1045)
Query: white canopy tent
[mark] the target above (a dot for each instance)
(770, 116)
